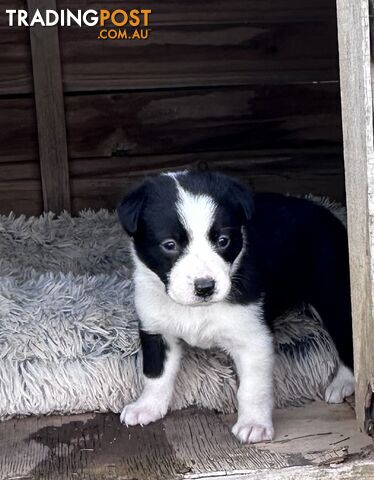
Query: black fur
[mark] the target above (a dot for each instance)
(154, 350)
(153, 206)
(300, 253)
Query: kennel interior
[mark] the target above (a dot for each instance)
(247, 87)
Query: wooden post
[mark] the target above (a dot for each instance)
(357, 113)
(49, 102)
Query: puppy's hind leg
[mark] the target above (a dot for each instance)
(335, 315)
(161, 359)
(331, 299)
(342, 386)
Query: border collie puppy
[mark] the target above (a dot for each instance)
(214, 266)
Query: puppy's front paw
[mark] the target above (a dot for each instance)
(252, 432)
(142, 413)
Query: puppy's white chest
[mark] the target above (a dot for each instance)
(198, 326)
(219, 324)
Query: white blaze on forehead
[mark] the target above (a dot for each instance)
(199, 260)
(196, 212)
(175, 175)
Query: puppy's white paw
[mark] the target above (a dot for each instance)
(342, 386)
(252, 432)
(142, 413)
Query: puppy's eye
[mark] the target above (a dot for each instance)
(169, 246)
(223, 241)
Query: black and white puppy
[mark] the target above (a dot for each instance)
(214, 265)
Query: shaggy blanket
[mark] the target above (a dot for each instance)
(69, 333)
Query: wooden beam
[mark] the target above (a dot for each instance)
(50, 113)
(357, 115)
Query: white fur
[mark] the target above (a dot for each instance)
(175, 175)
(200, 260)
(238, 329)
(157, 393)
(342, 386)
(236, 263)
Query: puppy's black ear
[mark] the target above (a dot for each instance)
(129, 209)
(244, 196)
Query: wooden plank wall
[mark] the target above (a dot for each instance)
(243, 86)
(357, 69)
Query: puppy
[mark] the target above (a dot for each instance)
(214, 266)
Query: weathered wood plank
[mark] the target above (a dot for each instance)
(18, 171)
(202, 55)
(190, 444)
(203, 120)
(115, 136)
(182, 121)
(18, 130)
(101, 183)
(357, 110)
(239, 162)
(50, 113)
(355, 470)
(15, 61)
(21, 197)
(191, 45)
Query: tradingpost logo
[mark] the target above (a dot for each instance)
(116, 24)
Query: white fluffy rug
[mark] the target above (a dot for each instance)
(68, 330)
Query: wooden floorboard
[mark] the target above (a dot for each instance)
(190, 444)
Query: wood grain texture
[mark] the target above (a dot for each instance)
(23, 197)
(177, 121)
(50, 113)
(20, 183)
(15, 61)
(355, 470)
(101, 182)
(195, 55)
(357, 110)
(18, 130)
(189, 444)
(192, 44)
(19, 171)
(181, 121)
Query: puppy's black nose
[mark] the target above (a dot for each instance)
(204, 286)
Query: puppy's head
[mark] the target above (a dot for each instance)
(189, 229)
